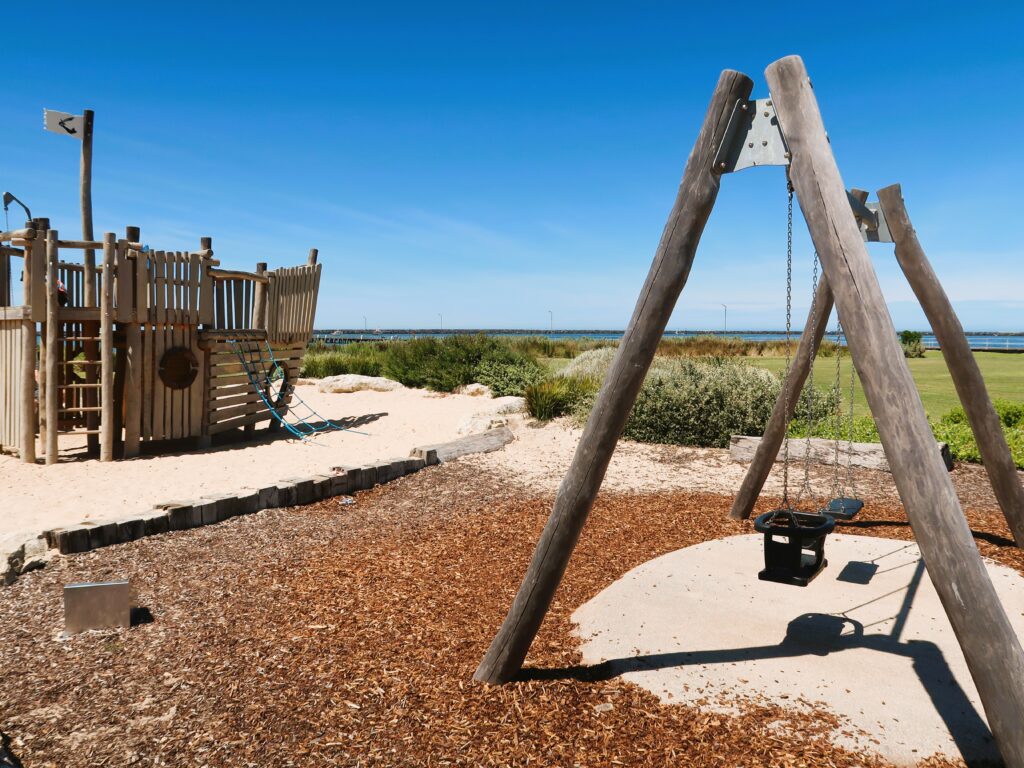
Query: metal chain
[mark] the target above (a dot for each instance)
(805, 489)
(837, 490)
(789, 321)
(849, 445)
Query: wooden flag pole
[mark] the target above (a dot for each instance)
(991, 648)
(576, 494)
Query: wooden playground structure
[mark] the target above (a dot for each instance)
(146, 347)
(787, 130)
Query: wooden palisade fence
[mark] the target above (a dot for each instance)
(138, 349)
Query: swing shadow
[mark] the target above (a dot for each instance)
(7, 758)
(822, 634)
(991, 538)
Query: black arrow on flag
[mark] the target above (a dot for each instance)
(61, 123)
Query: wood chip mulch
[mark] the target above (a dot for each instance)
(348, 634)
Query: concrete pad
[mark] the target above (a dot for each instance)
(867, 640)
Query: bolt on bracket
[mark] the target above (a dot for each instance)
(752, 137)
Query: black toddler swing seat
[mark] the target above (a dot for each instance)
(794, 545)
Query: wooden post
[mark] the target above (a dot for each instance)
(259, 299)
(991, 649)
(311, 259)
(27, 402)
(575, 497)
(133, 364)
(775, 431)
(206, 285)
(89, 289)
(52, 388)
(970, 386)
(107, 351)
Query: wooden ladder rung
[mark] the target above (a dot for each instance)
(81, 409)
(95, 385)
(78, 338)
(81, 362)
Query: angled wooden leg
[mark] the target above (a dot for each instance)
(970, 385)
(775, 432)
(991, 648)
(576, 494)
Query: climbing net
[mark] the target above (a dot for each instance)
(270, 380)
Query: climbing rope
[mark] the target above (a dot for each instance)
(271, 383)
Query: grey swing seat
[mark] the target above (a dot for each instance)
(843, 508)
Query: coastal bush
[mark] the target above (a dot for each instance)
(702, 403)
(912, 349)
(559, 396)
(545, 346)
(509, 377)
(362, 359)
(864, 429)
(909, 337)
(954, 429)
(592, 364)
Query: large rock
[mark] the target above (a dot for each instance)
(352, 382)
(475, 390)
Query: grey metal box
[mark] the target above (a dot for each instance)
(96, 606)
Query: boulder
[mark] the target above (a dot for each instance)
(475, 390)
(352, 382)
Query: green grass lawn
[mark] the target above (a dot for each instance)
(1003, 373)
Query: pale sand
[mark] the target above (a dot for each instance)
(540, 457)
(35, 498)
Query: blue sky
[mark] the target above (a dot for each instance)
(493, 162)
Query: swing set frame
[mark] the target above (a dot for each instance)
(991, 648)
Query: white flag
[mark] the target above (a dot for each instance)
(62, 122)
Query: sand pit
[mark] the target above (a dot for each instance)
(697, 626)
(38, 497)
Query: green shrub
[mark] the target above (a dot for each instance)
(864, 429)
(912, 348)
(443, 364)
(559, 396)
(702, 403)
(911, 337)
(509, 377)
(362, 359)
(593, 364)
(954, 429)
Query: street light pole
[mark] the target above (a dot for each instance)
(365, 326)
(440, 318)
(725, 318)
(551, 321)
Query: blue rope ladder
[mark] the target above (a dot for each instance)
(270, 380)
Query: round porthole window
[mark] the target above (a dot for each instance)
(178, 368)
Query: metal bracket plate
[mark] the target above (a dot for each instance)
(869, 216)
(752, 137)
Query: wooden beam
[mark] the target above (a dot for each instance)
(671, 267)
(792, 386)
(970, 385)
(991, 648)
